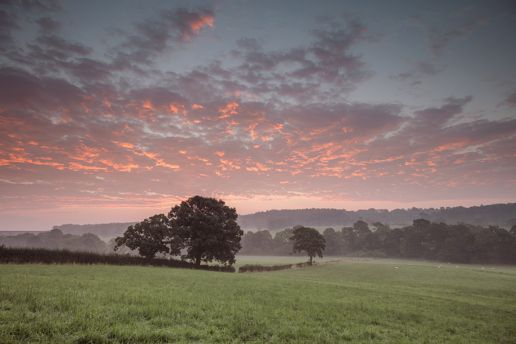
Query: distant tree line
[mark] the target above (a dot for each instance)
(103, 230)
(503, 215)
(56, 239)
(458, 243)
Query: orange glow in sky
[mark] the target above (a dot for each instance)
(113, 116)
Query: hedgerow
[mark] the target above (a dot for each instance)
(262, 268)
(16, 255)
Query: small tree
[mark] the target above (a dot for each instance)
(308, 240)
(207, 229)
(150, 236)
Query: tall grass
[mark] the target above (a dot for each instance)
(356, 302)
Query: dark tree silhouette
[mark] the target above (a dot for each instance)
(207, 229)
(150, 236)
(309, 240)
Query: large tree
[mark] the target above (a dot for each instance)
(309, 240)
(150, 236)
(207, 229)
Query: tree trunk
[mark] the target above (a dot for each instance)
(198, 261)
(310, 260)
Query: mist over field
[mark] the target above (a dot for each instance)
(436, 234)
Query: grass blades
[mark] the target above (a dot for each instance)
(348, 302)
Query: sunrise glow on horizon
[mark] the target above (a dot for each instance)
(116, 111)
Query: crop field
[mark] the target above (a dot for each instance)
(356, 302)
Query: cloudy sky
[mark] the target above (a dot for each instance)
(113, 111)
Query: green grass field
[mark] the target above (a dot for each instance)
(356, 302)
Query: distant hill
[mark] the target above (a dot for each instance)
(503, 215)
(6, 233)
(104, 230)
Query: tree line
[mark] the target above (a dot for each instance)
(503, 215)
(204, 229)
(458, 243)
(56, 239)
(103, 230)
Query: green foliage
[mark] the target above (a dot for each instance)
(357, 302)
(149, 237)
(207, 229)
(309, 240)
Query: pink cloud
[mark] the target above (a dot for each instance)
(274, 126)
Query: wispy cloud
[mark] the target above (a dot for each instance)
(439, 40)
(86, 127)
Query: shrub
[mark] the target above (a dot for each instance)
(262, 268)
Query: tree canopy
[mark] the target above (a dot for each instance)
(207, 229)
(150, 237)
(309, 240)
(203, 228)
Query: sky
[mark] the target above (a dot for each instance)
(113, 111)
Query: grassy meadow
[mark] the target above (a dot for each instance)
(356, 302)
